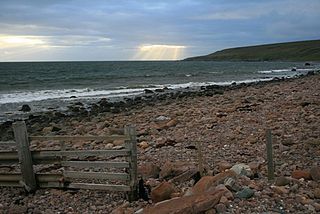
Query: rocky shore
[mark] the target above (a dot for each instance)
(230, 122)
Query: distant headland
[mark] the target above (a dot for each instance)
(289, 51)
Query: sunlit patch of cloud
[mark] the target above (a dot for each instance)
(159, 52)
(7, 41)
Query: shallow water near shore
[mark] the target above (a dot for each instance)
(55, 85)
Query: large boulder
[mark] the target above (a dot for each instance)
(187, 205)
(207, 183)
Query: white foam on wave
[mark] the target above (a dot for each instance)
(274, 71)
(225, 83)
(86, 93)
(29, 96)
(285, 70)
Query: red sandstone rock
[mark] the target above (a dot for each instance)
(162, 192)
(188, 204)
(208, 182)
(297, 174)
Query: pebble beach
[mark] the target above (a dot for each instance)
(230, 123)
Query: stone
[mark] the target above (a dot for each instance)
(231, 184)
(118, 142)
(187, 205)
(281, 181)
(224, 200)
(25, 108)
(143, 145)
(109, 146)
(316, 206)
(118, 147)
(297, 174)
(47, 130)
(162, 192)
(245, 193)
(316, 193)
(148, 91)
(228, 194)
(162, 118)
(223, 165)
(315, 173)
(221, 208)
(209, 182)
(173, 169)
(280, 190)
(242, 169)
(255, 166)
(148, 170)
(211, 211)
(166, 124)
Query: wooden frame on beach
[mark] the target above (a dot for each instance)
(122, 181)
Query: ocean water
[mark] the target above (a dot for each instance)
(55, 85)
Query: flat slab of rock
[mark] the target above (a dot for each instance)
(188, 204)
(208, 182)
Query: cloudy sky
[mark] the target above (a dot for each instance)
(38, 30)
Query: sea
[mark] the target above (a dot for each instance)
(47, 86)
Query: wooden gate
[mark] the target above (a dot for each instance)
(79, 169)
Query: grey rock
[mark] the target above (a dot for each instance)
(245, 193)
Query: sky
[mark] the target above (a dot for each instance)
(86, 30)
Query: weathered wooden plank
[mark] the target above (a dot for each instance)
(78, 138)
(9, 157)
(81, 153)
(10, 184)
(14, 177)
(108, 187)
(269, 155)
(51, 185)
(96, 175)
(131, 144)
(95, 164)
(8, 143)
(50, 177)
(41, 184)
(40, 177)
(25, 158)
(48, 157)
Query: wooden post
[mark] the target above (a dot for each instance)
(200, 158)
(270, 155)
(25, 158)
(133, 166)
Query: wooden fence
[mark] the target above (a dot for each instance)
(71, 163)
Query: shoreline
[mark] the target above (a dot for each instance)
(116, 105)
(229, 121)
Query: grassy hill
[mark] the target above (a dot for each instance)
(290, 51)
